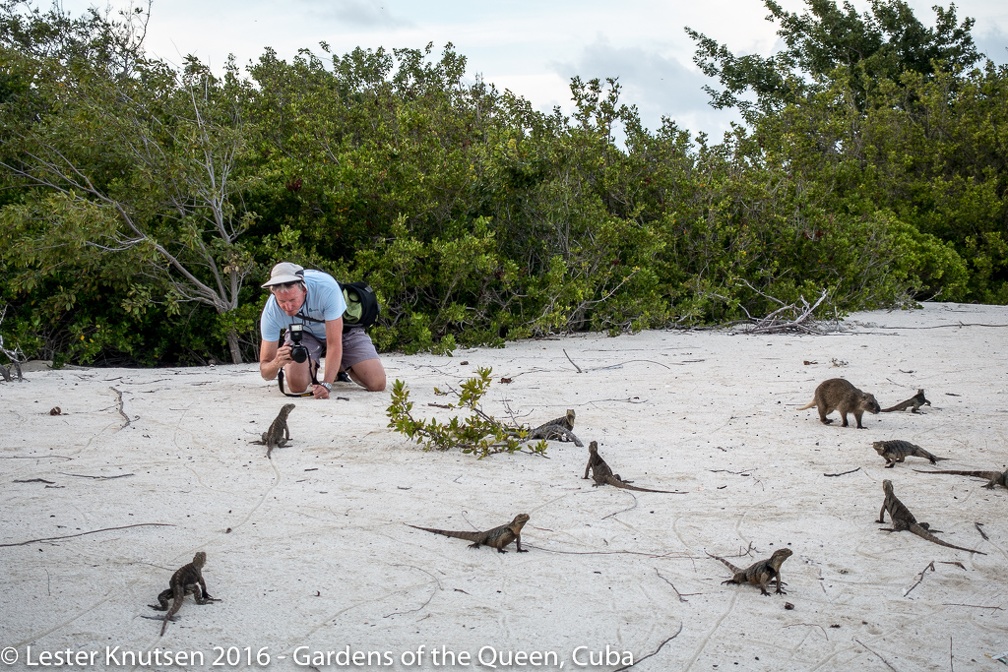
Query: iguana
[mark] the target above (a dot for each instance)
(498, 537)
(913, 403)
(902, 519)
(993, 477)
(896, 450)
(603, 474)
(278, 434)
(759, 573)
(561, 429)
(186, 579)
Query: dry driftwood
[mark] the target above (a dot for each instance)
(789, 318)
(15, 356)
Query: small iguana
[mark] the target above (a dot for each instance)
(897, 450)
(902, 519)
(559, 429)
(913, 403)
(759, 573)
(186, 579)
(278, 434)
(498, 537)
(994, 477)
(603, 474)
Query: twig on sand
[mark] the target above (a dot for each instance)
(678, 594)
(119, 407)
(631, 508)
(641, 553)
(972, 606)
(571, 361)
(97, 478)
(437, 582)
(920, 577)
(81, 534)
(669, 639)
(811, 625)
(619, 365)
(876, 653)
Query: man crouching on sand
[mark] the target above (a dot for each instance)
(312, 302)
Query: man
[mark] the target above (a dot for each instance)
(314, 300)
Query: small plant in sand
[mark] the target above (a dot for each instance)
(478, 434)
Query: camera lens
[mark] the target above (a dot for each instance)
(299, 353)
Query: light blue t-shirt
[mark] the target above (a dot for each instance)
(323, 302)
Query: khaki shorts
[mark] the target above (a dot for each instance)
(357, 347)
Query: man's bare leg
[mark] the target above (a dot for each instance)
(369, 374)
(297, 376)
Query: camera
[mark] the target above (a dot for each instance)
(299, 353)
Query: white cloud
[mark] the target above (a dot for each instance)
(528, 46)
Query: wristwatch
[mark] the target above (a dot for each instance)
(327, 386)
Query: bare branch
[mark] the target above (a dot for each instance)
(844, 473)
(653, 653)
(787, 318)
(15, 355)
(572, 361)
(886, 662)
(81, 534)
(920, 577)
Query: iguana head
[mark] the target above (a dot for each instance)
(780, 555)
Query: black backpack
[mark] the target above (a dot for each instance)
(361, 305)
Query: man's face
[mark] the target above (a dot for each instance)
(290, 299)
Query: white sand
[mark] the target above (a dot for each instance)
(309, 551)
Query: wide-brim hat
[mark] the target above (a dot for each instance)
(285, 273)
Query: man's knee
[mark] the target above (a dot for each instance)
(370, 374)
(297, 378)
(374, 382)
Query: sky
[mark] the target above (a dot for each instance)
(531, 47)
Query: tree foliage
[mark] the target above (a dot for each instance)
(141, 203)
(829, 41)
(132, 159)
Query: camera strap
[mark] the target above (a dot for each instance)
(312, 369)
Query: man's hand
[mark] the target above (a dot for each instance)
(319, 392)
(283, 357)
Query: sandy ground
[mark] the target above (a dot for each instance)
(313, 563)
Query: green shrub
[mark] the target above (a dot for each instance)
(478, 434)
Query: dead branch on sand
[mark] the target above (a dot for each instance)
(789, 318)
(15, 356)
